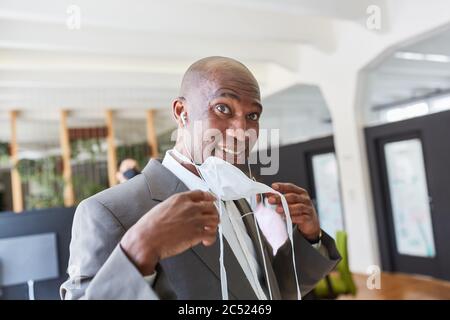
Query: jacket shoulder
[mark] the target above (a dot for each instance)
(128, 201)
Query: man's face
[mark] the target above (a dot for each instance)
(224, 117)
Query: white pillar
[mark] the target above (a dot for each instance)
(353, 166)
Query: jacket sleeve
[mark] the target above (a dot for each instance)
(98, 267)
(312, 265)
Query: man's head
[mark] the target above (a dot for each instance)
(128, 168)
(217, 110)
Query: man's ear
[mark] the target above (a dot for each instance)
(177, 110)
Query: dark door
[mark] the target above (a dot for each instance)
(409, 163)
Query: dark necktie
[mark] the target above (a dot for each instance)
(248, 219)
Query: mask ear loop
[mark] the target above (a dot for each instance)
(289, 230)
(269, 287)
(189, 159)
(290, 234)
(223, 273)
(259, 239)
(253, 178)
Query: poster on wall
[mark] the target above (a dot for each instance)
(326, 180)
(409, 198)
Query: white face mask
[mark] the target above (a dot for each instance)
(228, 183)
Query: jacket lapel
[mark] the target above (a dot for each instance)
(238, 285)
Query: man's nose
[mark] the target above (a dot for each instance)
(238, 129)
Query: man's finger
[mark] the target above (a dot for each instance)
(302, 219)
(203, 208)
(212, 229)
(209, 220)
(290, 198)
(287, 187)
(300, 209)
(209, 235)
(198, 195)
(209, 240)
(296, 209)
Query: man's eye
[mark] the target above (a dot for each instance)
(223, 108)
(253, 116)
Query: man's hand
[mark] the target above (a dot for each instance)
(301, 208)
(171, 227)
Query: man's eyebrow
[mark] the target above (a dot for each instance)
(235, 97)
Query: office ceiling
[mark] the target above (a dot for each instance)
(425, 70)
(131, 56)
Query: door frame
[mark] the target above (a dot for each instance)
(426, 129)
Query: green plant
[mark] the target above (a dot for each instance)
(91, 146)
(4, 154)
(139, 152)
(85, 188)
(43, 182)
(86, 153)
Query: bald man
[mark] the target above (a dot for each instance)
(155, 235)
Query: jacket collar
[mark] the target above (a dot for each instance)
(161, 182)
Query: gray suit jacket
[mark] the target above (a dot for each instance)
(99, 269)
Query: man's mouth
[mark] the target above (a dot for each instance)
(230, 151)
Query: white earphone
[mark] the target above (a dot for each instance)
(183, 118)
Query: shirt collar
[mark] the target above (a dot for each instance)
(192, 181)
